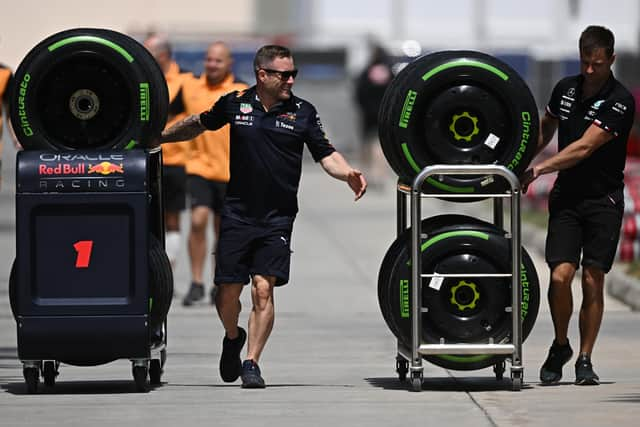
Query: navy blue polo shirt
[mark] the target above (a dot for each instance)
(266, 152)
(611, 109)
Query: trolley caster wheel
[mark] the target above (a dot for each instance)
(416, 382)
(140, 378)
(516, 381)
(155, 372)
(402, 368)
(50, 372)
(31, 379)
(499, 369)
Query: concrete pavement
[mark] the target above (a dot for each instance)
(331, 358)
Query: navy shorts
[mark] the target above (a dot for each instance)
(204, 192)
(587, 226)
(174, 188)
(246, 248)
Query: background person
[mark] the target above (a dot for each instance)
(370, 88)
(269, 127)
(593, 113)
(207, 164)
(174, 156)
(6, 81)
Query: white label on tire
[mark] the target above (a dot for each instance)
(491, 141)
(486, 181)
(436, 282)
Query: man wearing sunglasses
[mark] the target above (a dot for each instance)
(269, 128)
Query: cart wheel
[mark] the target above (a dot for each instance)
(155, 372)
(49, 373)
(516, 379)
(140, 377)
(402, 368)
(31, 379)
(416, 381)
(499, 369)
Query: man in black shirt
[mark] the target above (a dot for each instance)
(593, 113)
(269, 127)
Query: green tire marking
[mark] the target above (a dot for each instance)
(145, 102)
(131, 144)
(465, 63)
(463, 359)
(439, 237)
(92, 39)
(404, 299)
(407, 108)
(433, 182)
(150, 303)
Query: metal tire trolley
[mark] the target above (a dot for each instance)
(409, 360)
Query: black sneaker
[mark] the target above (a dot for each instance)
(196, 293)
(551, 371)
(212, 295)
(230, 363)
(251, 377)
(584, 371)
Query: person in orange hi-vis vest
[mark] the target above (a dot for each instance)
(174, 176)
(207, 163)
(6, 79)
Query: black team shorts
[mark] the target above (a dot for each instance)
(587, 226)
(204, 192)
(246, 248)
(174, 188)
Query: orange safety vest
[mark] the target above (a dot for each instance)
(5, 76)
(175, 154)
(209, 152)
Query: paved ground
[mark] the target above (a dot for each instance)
(330, 360)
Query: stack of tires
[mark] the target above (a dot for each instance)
(95, 90)
(457, 108)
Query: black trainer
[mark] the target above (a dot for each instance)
(584, 371)
(251, 377)
(196, 293)
(230, 362)
(551, 371)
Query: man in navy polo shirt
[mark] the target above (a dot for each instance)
(269, 128)
(593, 113)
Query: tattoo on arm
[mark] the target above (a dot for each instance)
(184, 130)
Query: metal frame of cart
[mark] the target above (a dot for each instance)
(410, 360)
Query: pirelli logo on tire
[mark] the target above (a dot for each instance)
(407, 108)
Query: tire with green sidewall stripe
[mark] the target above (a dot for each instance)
(458, 107)
(454, 245)
(88, 88)
(449, 222)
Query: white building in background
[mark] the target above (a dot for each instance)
(544, 27)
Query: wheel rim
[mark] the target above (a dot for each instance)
(84, 102)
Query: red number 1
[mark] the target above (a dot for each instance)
(83, 248)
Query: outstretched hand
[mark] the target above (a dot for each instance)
(357, 182)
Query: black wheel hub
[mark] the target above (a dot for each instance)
(464, 124)
(84, 102)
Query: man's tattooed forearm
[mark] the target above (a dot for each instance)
(184, 130)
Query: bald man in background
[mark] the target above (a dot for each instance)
(174, 156)
(207, 164)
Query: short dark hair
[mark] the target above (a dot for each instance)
(268, 53)
(596, 37)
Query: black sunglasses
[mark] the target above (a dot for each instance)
(284, 75)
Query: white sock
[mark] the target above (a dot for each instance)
(172, 245)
